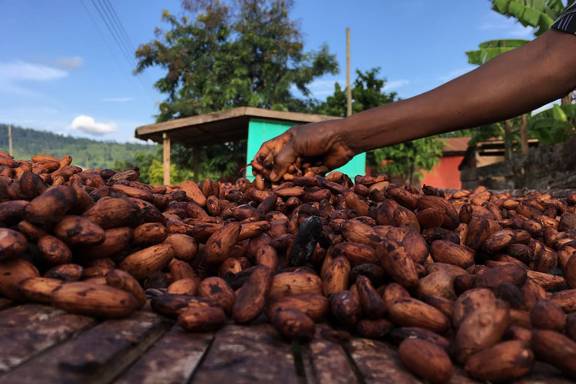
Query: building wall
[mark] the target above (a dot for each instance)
(445, 173)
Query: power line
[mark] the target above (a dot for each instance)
(92, 18)
(120, 37)
(117, 27)
(111, 30)
(119, 23)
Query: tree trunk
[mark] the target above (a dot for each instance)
(567, 100)
(524, 134)
(508, 139)
(196, 162)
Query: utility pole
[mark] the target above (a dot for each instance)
(348, 88)
(10, 149)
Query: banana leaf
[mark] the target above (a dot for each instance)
(539, 14)
(490, 49)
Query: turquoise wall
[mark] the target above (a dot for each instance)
(260, 131)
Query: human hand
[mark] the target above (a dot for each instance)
(321, 142)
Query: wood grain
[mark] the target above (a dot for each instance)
(171, 360)
(30, 329)
(379, 363)
(329, 361)
(247, 354)
(95, 356)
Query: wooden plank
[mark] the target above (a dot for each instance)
(378, 363)
(28, 330)
(171, 360)
(247, 354)
(329, 361)
(5, 303)
(95, 356)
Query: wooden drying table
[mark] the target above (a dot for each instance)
(40, 344)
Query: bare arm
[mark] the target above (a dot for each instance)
(511, 84)
(514, 83)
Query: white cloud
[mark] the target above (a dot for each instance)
(21, 70)
(14, 73)
(89, 125)
(117, 99)
(393, 85)
(70, 63)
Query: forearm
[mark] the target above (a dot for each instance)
(514, 83)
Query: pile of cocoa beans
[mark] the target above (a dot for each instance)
(479, 279)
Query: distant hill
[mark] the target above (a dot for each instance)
(86, 153)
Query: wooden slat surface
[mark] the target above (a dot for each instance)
(40, 344)
(329, 361)
(379, 363)
(30, 329)
(247, 354)
(95, 356)
(171, 360)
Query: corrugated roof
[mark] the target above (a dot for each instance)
(455, 145)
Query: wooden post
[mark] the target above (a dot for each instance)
(567, 100)
(196, 162)
(166, 158)
(508, 139)
(10, 149)
(348, 88)
(524, 134)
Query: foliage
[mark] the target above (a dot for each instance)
(224, 161)
(539, 14)
(490, 49)
(403, 160)
(367, 92)
(554, 125)
(87, 153)
(225, 54)
(221, 55)
(406, 160)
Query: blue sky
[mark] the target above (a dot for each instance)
(60, 69)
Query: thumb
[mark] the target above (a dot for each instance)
(282, 162)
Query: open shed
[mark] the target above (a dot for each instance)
(255, 125)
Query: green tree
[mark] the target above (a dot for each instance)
(405, 160)
(220, 55)
(554, 125)
(225, 54)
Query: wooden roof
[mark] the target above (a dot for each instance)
(219, 127)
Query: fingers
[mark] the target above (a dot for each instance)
(273, 159)
(283, 161)
(339, 155)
